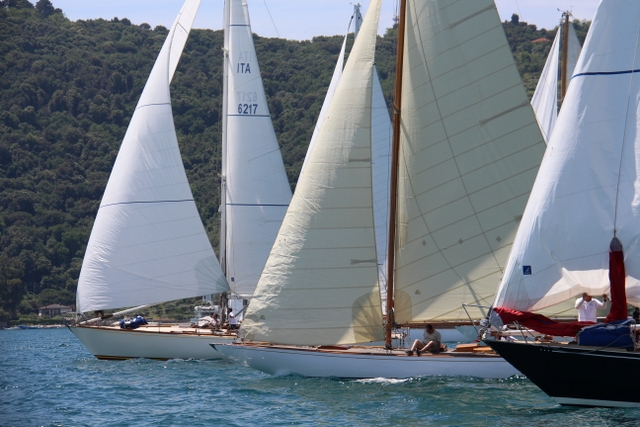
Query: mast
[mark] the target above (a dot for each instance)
(565, 54)
(395, 148)
(357, 18)
(223, 167)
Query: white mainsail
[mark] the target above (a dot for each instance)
(319, 285)
(256, 187)
(470, 148)
(587, 188)
(545, 97)
(148, 244)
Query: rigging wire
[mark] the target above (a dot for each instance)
(271, 17)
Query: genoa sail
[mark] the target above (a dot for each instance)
(586, 191)
(319, 285)
(148, 244)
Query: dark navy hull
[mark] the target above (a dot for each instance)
(577, 375)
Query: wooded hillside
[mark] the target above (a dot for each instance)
(68, 90)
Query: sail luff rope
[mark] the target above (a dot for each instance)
(271, 17)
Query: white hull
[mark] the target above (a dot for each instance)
(149, 343)
(363, 362)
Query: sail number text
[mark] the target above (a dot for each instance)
(247, 102)
(243, 65)
(247, 108)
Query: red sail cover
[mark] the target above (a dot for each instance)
(540, 323)
(616, 280)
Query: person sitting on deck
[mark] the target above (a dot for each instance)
(215, 322)
(431, 343)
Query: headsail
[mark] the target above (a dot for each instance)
(257, 188)
(545, 97)
(587, 189)
(148, 244)
(320, 282)
(470, 150)
(381, 150)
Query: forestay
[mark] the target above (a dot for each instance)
(587, 188)
(320, 282)
(470, 150)
(148, 244)
(257, 188)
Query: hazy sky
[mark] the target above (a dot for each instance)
(301, 19)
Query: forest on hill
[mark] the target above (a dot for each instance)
(68, 90)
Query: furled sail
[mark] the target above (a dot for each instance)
(319, 285)
(587, 187)
(470, 148)
(257, 188)
(148, 244)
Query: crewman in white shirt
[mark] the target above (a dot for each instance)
(587, 306)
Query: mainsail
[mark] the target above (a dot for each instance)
(255, 185)
(469, 152)
(586, 191)
(320, 282)
(148, 244)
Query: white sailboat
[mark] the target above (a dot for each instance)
(148, 244)
(468, 150)
(560, 63)
(580, 229)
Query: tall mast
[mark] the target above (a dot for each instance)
(565, 54)
(223, 156)
(357, 16)
(223, 168)
(395, 148)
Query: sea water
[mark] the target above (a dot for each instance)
(48, 378)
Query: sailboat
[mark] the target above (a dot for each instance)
(463, 163)
(545, 97)
(580, 229)
(148, 244)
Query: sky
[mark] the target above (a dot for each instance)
(301, 19)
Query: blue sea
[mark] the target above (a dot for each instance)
(48, 378)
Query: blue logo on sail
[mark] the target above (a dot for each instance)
(526, 270)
